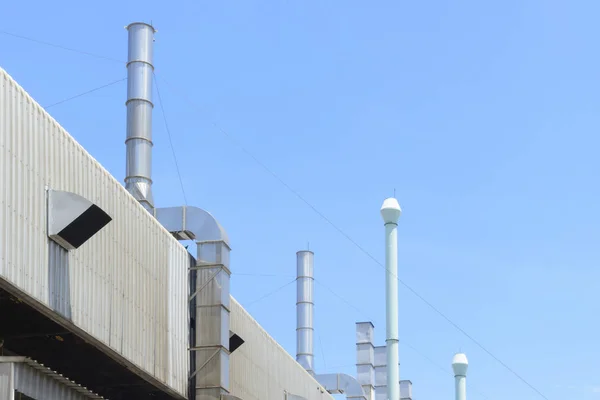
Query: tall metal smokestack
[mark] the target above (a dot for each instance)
(390, 211)
(460, 364)
(304, 309)
(138, 179)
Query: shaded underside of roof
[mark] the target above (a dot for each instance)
(27, 332)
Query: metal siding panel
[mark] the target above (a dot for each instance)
(178, 318)
(293, 397)
(118, 285)
(262, 369)
(7, 390)
(59, 279)
(37, 385)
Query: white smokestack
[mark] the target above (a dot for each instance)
(304, 309)
(390, 211)
(460, 365)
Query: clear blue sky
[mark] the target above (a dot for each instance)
(483, 115)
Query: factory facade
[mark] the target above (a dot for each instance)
(100, 300)
(95, 291)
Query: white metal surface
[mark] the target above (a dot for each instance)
(405, 389)
(38, 382)
(66, 211)
(365, 358)
(379, 356)
(381, 378)
(191, 223)
(289, 396)
(342, 384)
(390, 212)
(261, 369)
(211, 349)
(460, 364)
(7, 383)
(126, 288)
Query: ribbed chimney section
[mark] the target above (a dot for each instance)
(460, 364)
(138, 179)
(304, 309)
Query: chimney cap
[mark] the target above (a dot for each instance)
(365, 322)
(460, 364)
(141, 23)
(390, 210)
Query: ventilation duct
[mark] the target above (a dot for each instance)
(380, 367)
(405, 390)
(342, 384)
(140, 70)
(365, 358)
(211, 295)
(72, 219)
(191, 223)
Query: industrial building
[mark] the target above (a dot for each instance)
(98, 297)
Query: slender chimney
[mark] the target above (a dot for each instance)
(390, 211)
(138, 179)
(460, 364)
(304, 309)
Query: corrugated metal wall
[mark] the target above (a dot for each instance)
(127, 286)
(261, 369)
(39, 386)
(7, 387)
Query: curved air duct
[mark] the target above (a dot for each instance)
(210, 294)
(191, 223)
(333, 383)
(342, 384)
